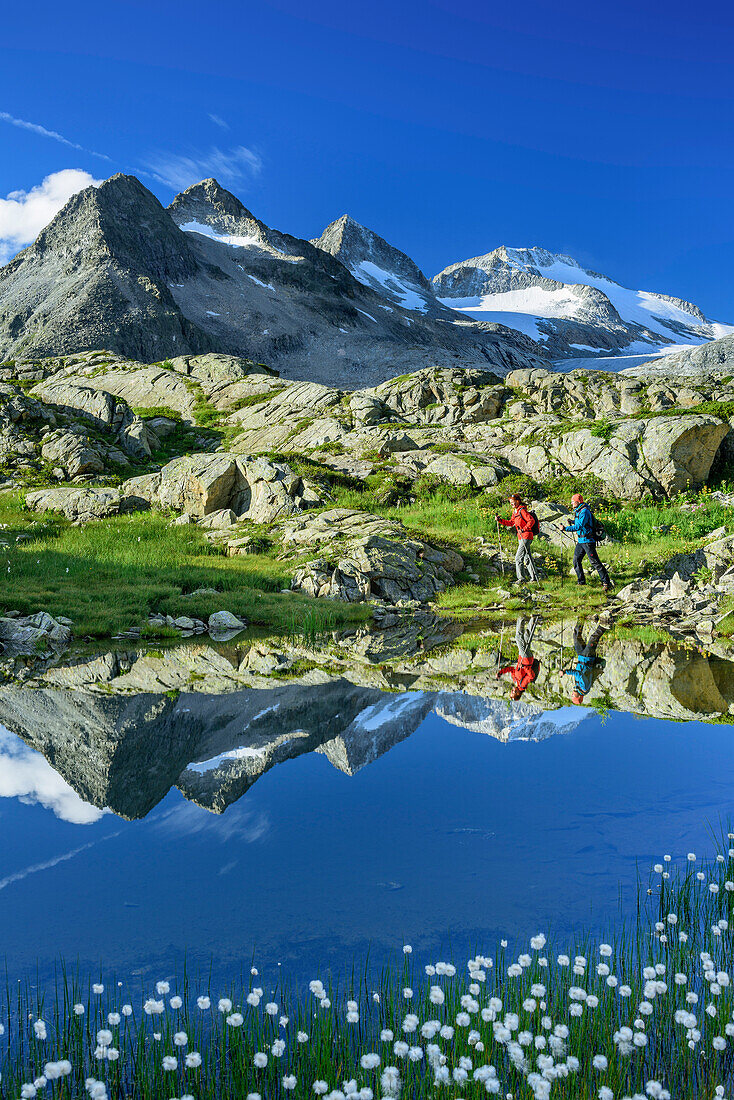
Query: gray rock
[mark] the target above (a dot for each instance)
(217, 521)
(223, 622)
(83, 504)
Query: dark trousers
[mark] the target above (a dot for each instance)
(589, 550)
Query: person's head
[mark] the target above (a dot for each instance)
(515, 500)
(577, 699)
(577, 499)
(515, 692)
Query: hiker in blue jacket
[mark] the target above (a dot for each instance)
(586, 660)
(583, 526)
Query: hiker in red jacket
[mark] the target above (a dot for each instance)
(522, 521)
(525, 669)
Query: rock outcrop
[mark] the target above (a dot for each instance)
(362, 557)
(201, 485)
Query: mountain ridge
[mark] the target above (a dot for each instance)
(116, 270)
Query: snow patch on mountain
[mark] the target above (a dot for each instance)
(223, 238)
(369, 274)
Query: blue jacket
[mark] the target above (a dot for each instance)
(583, 523)
(583, 674)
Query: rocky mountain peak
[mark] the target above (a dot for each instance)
(120, 218)
(362, 251)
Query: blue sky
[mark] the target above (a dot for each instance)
(448, 127)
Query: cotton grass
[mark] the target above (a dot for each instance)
(648, 1015)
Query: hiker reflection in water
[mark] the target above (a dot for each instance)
(587, 665)
(525, 669)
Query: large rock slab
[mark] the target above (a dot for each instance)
(204, 483)
(82, 504)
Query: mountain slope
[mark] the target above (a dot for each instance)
(715, 358)
(115, 270)
(279, 299)
(573, 311)
(380, 265)
(105, 261)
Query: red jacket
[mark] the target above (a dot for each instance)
(523, 672)
(521, 520)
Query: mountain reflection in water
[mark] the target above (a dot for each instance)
(120, 730)
(256, 824)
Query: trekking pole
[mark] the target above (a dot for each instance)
(499, 543)
(499, 651)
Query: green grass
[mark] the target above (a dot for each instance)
(110, 575)
(571, 1008)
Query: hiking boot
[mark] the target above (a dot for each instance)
(607, 588)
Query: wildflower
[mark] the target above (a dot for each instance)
(253, 1096)
(436, 995)
(320, 1087)
(225, 1005)
(283, 1021)
(289, 1082)
(180, 1039)
(104, 1038)
(203, 1003)
(369, 1061)
(302, 1037)
(169, 1063)
(78, 1011)
(39, 1028)
(352, 1017)
(192, 1060)
(260, 1060)
(718, 1043)
(563, 960)
(271, 1008)
(538, 942)
(407, 949)
(463, 1019)
(162, 988)
(386, 1035)
(524, 961)
(605, 950)
(408, 993)
(153, 1007)
(278, 1048)
(97, 988)
(253, 999)
(401, 1048)
(113, 1018)
(599, 1062)
(410, 1023)
(175, 1002)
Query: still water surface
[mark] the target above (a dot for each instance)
(449, 839)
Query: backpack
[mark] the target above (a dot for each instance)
(598, 530)
(535, 525)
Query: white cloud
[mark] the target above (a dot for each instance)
(228, 165)
(43, 131)
(219, 122)
(23, 214)
(28, 776)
